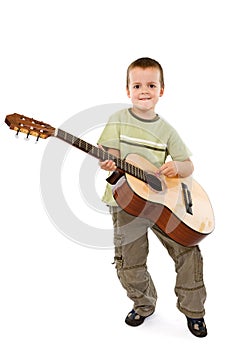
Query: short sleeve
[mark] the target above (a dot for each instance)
(110, 136)
(177, 148)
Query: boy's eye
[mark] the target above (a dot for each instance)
(152, 86)
(136, 86)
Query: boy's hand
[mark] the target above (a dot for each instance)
(108, 165)
(169, 169)
(174, 168)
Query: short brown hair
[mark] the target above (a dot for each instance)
(145, 62)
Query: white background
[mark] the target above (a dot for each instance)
(57, 59)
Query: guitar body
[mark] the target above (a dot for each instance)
(168, 207)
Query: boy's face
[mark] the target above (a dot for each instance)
(144, 87)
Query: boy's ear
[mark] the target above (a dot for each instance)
(161, 92)
(128, 92)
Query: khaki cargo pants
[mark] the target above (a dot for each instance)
(131, 250)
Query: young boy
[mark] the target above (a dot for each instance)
(142, 131)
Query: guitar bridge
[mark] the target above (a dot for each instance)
(187, 198)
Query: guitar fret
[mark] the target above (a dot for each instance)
(119, 163)
(133, 170)
(139, 173)
(68, 137)
(143, 176)
(105, 155)
(60, 133)
(101, 154)
(92, 149)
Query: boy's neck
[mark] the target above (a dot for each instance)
(147, 115)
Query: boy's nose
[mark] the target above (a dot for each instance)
(144, 89)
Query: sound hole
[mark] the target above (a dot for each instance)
(154, 182)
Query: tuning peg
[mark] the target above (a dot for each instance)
(17, 133)
(37, 139)
(27, 137)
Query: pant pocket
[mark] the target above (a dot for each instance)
(118, 262)
(198, 266)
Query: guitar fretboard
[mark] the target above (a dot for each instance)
(104, 155)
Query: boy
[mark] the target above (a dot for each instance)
(140, 130)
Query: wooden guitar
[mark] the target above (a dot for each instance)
(179, 206)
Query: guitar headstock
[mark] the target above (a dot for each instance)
(29, 126)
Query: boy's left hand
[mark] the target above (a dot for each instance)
(169, 169)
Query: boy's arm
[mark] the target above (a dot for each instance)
(170, 169)
(174, 168)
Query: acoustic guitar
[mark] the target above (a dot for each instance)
(178, 206)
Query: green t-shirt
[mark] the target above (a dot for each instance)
(152, 139)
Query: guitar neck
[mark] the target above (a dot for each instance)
(100, 154)
(30, 126)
